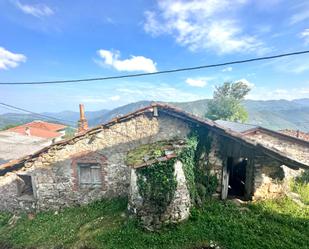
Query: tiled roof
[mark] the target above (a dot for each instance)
(36, 132)
(40, 129)
(44, 125)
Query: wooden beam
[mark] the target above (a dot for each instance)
(225, 180)
(249, 181)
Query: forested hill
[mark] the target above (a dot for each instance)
(273, 114)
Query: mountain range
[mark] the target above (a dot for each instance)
(272, 114)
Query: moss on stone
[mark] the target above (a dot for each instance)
(151, 151)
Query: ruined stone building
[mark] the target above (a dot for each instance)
(102, 163)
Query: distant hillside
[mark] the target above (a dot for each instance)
(70, 116)
(122, 110)
(272, 114)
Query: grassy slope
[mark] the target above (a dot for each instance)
(270, 224)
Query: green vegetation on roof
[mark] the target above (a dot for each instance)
(152, 151)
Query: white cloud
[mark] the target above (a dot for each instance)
(305, 36)
(264, 93)
(37, 10)
(9, 59)
(162, 92)
(115, 98)
(247, 82)
(196, 82)
(291, 65)
(227, 69)
(135, 63)
(203, 24)
(302, 13)
(99, 99)
(92, 99)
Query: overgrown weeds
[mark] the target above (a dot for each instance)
(268, 224)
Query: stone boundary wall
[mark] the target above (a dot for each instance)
(54, 179)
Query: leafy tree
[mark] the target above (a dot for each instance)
(226, 102)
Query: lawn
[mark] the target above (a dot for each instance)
(268, 224)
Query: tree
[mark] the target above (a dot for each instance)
(9, 126)
(226, 103)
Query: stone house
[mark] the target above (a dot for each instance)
(93, 164)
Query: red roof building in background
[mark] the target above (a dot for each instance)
(40, 129)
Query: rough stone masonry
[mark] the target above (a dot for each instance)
(54, 173)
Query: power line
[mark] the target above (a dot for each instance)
(10, 107)
(158, 72)
(36, 114)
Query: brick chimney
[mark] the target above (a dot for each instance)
(82, 122)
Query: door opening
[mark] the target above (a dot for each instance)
(237, 176)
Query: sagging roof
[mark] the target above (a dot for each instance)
(172, 111)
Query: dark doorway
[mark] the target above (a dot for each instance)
(237, 176)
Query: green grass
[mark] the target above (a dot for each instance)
(300, 185)
(303, 190)
(269, 224)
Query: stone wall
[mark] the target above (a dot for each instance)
(209, 158)
(10, 198)
(296, 150)
(215, 162)
(271, 179)
(54, 176)
(177, 211)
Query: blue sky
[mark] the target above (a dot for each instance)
(53, 40)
